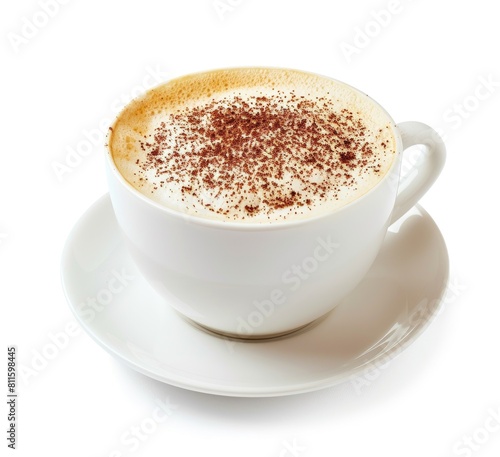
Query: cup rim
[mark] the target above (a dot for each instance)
(251, 226)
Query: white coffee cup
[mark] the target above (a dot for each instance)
(265, 280)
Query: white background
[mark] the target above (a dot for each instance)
(67, 75)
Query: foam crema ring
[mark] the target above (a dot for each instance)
(253, 145)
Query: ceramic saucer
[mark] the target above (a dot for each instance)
(391, 307)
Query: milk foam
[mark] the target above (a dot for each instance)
(164, 145)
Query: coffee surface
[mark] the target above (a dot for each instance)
(253, 145)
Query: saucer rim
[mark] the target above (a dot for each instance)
(185, 382)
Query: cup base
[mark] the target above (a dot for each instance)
(254, 338)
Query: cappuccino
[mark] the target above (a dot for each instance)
(253, 145)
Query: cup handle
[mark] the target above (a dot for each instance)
(421, 175)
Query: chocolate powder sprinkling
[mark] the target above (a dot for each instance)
(240, 156)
